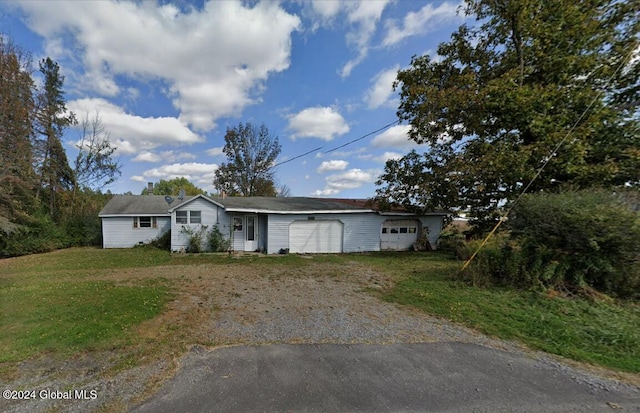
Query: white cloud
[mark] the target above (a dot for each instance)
(164, 156)
(214, 59)
(200, 174)
(394, 137)
(317, 122)
(326, 9)
(387, 156)
(215, 151)
(147, 156)
(132, 134)
(427, 19)
(325, 192)
(351, 179)
(334, 165)
(382, 88)
(364, 15)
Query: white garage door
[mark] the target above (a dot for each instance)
(315, 236)
(399, 235)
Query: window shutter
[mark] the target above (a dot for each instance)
(154, 222)
(135, 222)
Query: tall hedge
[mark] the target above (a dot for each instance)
(572, 240)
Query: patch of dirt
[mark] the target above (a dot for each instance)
(220, 305)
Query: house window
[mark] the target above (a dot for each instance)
(145, 222)
(181, 217)
(237, 223)
(195, 217)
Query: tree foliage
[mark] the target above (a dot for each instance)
(173, 187)
(499, 98)
(575, 240)
(251, 152)
(44, 202)
(16, 129)
(52, 119)
(95, 166)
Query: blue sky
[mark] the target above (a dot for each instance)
(168, 78)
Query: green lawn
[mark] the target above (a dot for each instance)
(597, 332)
(60, 304)
(50, 304)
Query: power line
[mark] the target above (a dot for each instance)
(298, 156)
(388, 125)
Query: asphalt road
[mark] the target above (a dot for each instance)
(427, 377)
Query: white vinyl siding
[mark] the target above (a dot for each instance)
(210, 215)
(118, 232)
(315, 236)
(361, 232)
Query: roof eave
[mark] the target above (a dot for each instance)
(193, 199)
(135, 214)
(301, 212)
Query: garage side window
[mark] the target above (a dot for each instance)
(195, 217)
(181, 217)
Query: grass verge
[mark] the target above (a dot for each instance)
(597, 332)
(63, 318)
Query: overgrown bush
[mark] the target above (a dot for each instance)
(453, 241)
(83, 230)
(196, 241)
(163, 242)
(38, 235)
(216, 241)
(571, 240)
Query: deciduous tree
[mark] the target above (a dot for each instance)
(251, 152)
(498, 99)
(95, 166)
(173, 187)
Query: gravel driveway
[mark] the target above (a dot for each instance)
(313, 306)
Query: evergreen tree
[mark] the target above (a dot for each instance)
(16, 118)
(51, 120)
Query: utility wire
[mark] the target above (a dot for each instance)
(298, 156)
(388, 125)
(546, 161)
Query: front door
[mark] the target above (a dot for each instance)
(251, 233)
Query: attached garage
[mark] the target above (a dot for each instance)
(316, 236)
(400, 234)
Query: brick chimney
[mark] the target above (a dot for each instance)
(149, 188)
